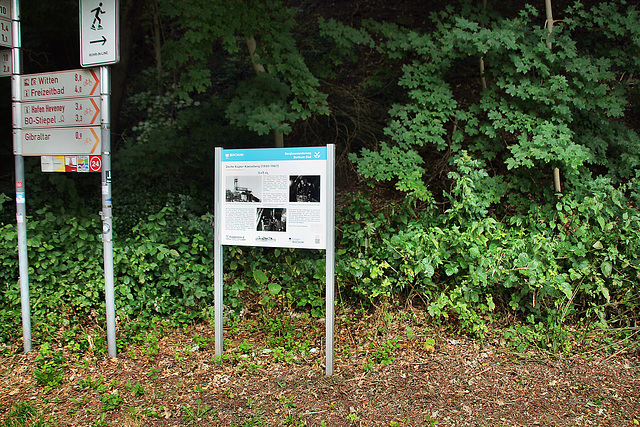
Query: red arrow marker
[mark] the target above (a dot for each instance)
(95, 116)
(97, 82)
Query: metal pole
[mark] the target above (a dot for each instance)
(217, 253)
(21, 215)
(107, 218)
(331, 258)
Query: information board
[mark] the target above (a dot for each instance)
(274, 197)
(278, 197)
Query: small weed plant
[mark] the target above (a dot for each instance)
(49, 368)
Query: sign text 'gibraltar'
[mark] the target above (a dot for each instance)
(60, 141)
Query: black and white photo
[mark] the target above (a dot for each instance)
(243, 189)
(304, 188)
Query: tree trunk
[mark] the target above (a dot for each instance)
(157, 46)
(549, 24)
(482, 77)
(278, 137)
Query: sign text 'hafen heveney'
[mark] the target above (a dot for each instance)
(59, 113)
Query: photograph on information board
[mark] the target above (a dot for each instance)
(304, 188)
(244, 189)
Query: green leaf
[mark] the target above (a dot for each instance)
(259, 276)
(606, 268)
(274, 288)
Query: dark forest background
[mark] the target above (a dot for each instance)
(487, 162)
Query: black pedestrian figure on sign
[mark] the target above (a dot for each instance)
(98, 11)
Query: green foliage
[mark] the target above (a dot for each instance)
(49, 368)
(298, 277)
(543, 107)
(169, 148)
(24, 414)
(489, 239)
(194, 415)
(110, 401)
(286, 92)
(384, 354)
(166, 267)
(137, 390)
(566, 259)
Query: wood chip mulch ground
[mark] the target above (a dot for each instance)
(389, 370)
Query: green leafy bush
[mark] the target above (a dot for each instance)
(551, 100)
(566, 259)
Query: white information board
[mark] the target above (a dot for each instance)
(274, 197)
(277, 197)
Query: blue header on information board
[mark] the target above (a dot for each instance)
(275, 154)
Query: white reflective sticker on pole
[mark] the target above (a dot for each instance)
(20, 198)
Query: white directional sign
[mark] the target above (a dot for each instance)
(99, 32)
(5, 9)
(60, 85)
(58, 113)
(6, 38)
(6, 67)
(60, 141)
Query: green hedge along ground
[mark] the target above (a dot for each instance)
(570, 260)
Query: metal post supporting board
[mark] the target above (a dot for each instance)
(217, 257)
(330, 254)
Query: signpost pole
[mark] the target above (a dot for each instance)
(21, 217)
(330, 259)
(107, 218)
(217, 253)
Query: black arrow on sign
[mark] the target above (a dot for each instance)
(103, 41)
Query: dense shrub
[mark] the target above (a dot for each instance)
(164, 267)
(564, 259)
